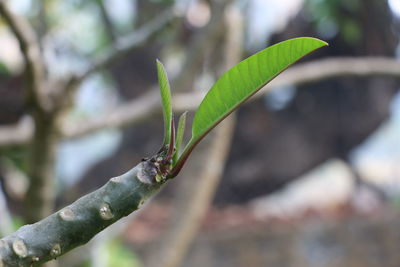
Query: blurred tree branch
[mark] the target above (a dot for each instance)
(40, 195)
(19, 133)
(121, 47)
(30, 49)
(338, 67)
(107, 22)
(147, 105)
(198, 44)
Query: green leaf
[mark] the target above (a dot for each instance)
(166, 101)
(242, 81)
(179, 136)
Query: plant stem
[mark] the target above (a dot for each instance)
(76, 224)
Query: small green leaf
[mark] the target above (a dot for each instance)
(179, 136)
(242, 81)
(166, 101)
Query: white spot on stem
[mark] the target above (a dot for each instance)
(67, 214)
(105, 212)
(55, 251)
(117, 179)
(19, 248)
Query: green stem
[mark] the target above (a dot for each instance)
(77, 223)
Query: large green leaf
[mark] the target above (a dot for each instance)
(166, 101)
(242, 81)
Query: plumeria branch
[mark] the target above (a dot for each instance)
(76, 224)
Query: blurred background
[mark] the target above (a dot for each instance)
(305, 174)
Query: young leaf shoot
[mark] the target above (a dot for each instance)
(239, 83)
(179, 136)
(165, 92)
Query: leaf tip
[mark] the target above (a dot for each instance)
(321, 43)
(159, 64)
(184, 114)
